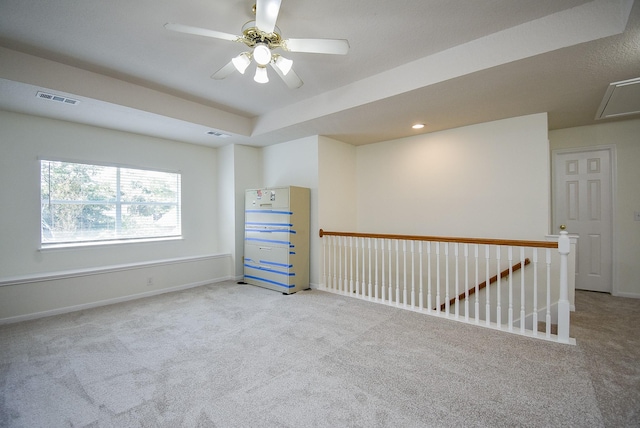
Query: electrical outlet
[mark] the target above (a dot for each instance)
(149, 281)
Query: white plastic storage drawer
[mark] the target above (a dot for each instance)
(276, 254)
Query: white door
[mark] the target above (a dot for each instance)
(583, 202)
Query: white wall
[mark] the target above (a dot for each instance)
(30, 277)
(226, 201)
(295, 163)
(337, 191)
(625, 137)
(248, 175)
(488, 181)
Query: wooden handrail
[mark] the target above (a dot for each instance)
(481, 241)
(483, 284)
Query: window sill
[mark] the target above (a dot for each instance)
(115, 242)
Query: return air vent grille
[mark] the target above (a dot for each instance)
(218, 134)
(56, 98)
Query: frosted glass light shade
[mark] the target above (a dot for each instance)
(261, 75)
(262, 54)
(284, 64)
(241, 62)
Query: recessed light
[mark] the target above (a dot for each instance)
(418, 126)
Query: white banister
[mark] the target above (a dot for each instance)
(420, 296)
(535, 292)
(363, 266)
(510, 282)
(429, 303)
(564, 247)
(499, 294)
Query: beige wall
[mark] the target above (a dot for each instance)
(295, 163)
(488, 181)
(35, 282)
(625, 137)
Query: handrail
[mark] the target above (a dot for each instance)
(481, 241)
(483, 284)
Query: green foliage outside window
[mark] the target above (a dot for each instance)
(82, 202)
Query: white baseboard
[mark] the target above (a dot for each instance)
(54, 276)
(628, 295)
(67, 309)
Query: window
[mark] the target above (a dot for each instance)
(92, 203)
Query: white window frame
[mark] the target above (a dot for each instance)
(117, 237)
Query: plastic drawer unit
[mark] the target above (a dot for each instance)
(276, 238)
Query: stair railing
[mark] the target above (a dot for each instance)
(439, 275)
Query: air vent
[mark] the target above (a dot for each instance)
(621, 99)
(57, 98)
(218, 134)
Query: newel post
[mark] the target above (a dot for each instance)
(564, 248)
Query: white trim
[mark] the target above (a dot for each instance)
(74, 308)
(613, 159)
(84, 244)
(628, 295)
(53, 276)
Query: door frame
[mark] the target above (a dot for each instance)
(611, 148)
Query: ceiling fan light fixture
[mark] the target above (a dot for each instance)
(241, 62)
(261, 75)
(262, 54)
(284, 64)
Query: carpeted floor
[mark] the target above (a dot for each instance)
(228, 355)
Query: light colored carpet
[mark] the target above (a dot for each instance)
(228, 355)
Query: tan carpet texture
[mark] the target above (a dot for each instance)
(229, 355)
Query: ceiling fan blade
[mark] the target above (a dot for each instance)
(291, 79)
(200, 32)
(323, 46)
(224, 71)
(267, 14)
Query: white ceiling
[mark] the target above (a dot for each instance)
(446, 63)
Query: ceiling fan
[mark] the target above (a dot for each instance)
(263, 37)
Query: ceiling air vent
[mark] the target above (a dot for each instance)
(218, 134)
(57, 98)
(621, 99)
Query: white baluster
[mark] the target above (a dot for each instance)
(346, 266)
(335, 263)
(397, 273)
(375, 244)
(324, 262)
(429, 305)
(535, 291)
(466, 282)
(487, 313)
(446, 279)
(438, 305)
(420, 296)
(382, 289)
(370, 286)
(522, 311)
(548, 317)
(457, 280)
(390, 274)
(357, 266)
(364, 280)
(351, 265)
(413, 276)
(510, 257)
(499, 306)
(477, 303)
(340, 282)
(404, 273)
(564, 247)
